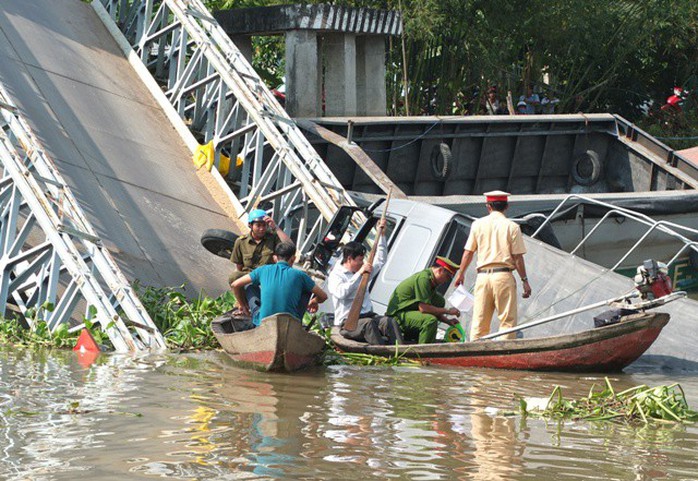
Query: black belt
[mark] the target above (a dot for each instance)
(494, 269)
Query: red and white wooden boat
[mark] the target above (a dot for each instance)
(279, 343)
(602, 349)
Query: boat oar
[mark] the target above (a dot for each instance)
(353, 317)
(561, 315)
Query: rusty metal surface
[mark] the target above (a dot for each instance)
(522, 154)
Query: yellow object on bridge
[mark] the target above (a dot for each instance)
(205, 155)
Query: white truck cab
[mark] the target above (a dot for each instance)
(416, 234)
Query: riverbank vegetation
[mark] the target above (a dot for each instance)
(641, 404)
(16, 331)
(593, 56)
(184, 323)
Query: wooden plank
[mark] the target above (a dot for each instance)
(357, 154)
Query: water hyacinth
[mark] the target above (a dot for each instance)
(637, 404)
(185, 324)
(15, 331)
(333, 356)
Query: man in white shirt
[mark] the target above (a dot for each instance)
(342, 285)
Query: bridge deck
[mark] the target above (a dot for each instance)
(127, 166)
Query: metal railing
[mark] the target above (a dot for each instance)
(672, 157)
(671, 229)
(53, 266)
(221, 98)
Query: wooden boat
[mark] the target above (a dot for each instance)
(279, 343)
(608, 348)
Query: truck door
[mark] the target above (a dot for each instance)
(409, 247)
(452, 243)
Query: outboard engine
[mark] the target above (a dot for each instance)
(652, 280)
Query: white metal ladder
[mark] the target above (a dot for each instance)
(53, 265)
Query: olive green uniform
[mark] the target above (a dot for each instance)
(252, 254)
(404, 306)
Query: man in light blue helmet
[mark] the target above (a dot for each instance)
(256, 249)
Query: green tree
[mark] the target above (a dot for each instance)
(599, 56)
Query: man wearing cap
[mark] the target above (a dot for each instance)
(500, 249)
(256, 249)
(283, 288)
(531, 101)
(417, 306)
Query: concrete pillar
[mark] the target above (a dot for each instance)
(340, 74)
(244, 44)
(303, 96)
(370, 75)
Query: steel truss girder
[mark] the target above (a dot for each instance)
(221, 98)
(49, 252)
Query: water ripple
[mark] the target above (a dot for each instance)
(199, 417)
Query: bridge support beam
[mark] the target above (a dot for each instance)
(370, 75)
(340, 74)
(303, 78)
(332, 52)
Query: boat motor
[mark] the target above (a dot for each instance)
(652, 280)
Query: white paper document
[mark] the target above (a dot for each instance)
(461, 299)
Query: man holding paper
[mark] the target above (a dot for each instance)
(500, 250)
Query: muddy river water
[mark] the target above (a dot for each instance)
(198, 417)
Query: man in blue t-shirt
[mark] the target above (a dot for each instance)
(284, 289)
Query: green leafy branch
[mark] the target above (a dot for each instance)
(637, 404)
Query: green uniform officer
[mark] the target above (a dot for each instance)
(417, 306)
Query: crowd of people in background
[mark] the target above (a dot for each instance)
(531, 103)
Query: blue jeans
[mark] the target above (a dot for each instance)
(254, 301)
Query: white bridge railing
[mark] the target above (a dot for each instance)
(53, 265)
(676, 231)
(221, 98)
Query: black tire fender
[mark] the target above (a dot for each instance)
(586, 168)
(219, 242)
(441, 157)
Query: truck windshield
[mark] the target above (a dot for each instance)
(367, 234)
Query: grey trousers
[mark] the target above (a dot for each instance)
(375, 330)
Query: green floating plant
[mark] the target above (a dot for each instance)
(332, 356)
(637, 404)
(14, 332)
(185, 324)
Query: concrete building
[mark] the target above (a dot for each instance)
(346, 44)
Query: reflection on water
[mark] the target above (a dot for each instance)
(198, 417)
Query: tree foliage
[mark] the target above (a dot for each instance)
(598, 56)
